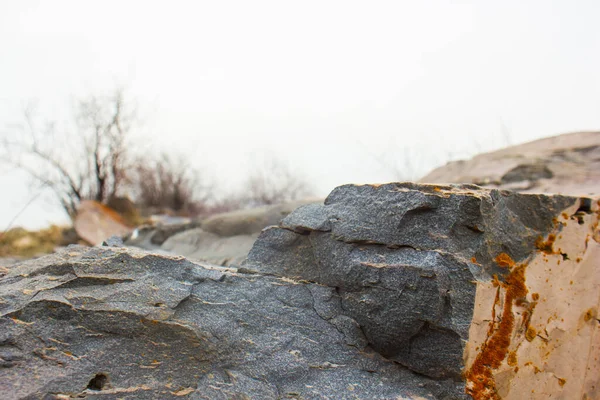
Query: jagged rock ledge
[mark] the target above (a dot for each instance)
(491, 287)
(390, 291)
(123, 323)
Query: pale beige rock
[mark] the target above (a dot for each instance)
(96, 222)
(552, 351)
(564, 164)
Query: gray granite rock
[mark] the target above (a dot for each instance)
(404, 259)
(368, 296)
(117, 323)
(113, 241)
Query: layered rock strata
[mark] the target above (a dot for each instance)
(116, 323)
(454, 282)
(397, 291)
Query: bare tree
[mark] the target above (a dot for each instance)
(274, 183)
(94, 161)
(90, 162)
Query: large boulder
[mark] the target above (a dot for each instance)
(396, 291)
(455, 282)
(118, 323)
(565, 164)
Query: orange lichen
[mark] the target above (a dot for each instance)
(473, 260)
(565, 215)
(589, 314)
(503, 260)
(480, 380)
(512, 359)
(530, 334)
(495, 281)
(562, 382)
(545, 246)
(535, 296)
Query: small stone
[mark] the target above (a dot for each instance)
(113, 241)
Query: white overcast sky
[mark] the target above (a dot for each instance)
(331, 87)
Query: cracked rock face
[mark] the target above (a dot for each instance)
(117, 323)
(445, 280)
(397, 291)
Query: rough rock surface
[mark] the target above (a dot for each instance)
(565, 164)
(6, 261)
(412, 264)
(548, 308)
(116, 323)
(396, 291)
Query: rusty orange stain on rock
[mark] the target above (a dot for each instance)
(503, 260)
(589, 314)
(545, 246)
(495, 281)
(512, 358)
(530, 334)
(480, 381)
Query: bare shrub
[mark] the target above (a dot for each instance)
(94, 160)
(169, 182)
(273, 183)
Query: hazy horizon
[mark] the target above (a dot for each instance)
(338, 90)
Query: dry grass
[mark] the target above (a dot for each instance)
(19, 242)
